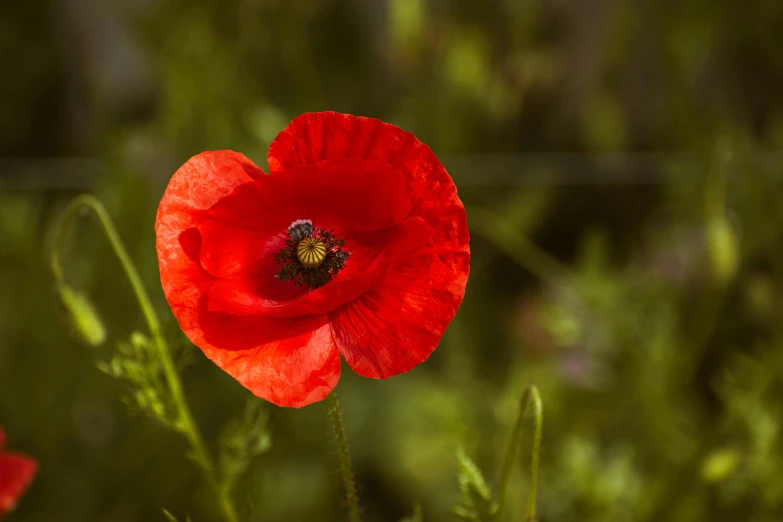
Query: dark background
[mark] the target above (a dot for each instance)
(621, 166)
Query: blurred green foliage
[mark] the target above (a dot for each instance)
(621, 166)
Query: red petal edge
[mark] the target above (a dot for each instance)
(16, 474)
(290, 362)
(395, 326)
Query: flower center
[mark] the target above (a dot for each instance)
(311, 256)
(311, 252)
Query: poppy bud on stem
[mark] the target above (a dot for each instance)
(185, 424)
(345, 458)
(529, 397)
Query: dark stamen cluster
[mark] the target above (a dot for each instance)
(292, 268)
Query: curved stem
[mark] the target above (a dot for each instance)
(345, 458)
(187, 425)
(530, 397)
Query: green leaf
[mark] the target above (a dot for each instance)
(137, 363)
(243, 440)
(476, 501)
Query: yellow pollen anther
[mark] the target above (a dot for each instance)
(311, 252)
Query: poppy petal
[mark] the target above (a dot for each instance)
(318, 136)
(289, 362)
(203, 180)
(254, 293)
(228, 248)
(345, 195)
(16, 474)
(196, 186)
(396, 325)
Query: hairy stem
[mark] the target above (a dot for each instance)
(345, 458)
(186, 424)
(530, 397)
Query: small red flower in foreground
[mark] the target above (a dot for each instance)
(356, 244)
(16, 473)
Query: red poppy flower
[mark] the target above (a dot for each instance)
(16, 473)
(356, 244)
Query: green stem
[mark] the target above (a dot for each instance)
(345, 458)
(187, 425)
(529, 397)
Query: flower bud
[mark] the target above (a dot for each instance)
(83, 315)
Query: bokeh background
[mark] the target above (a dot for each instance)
(621, 164)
